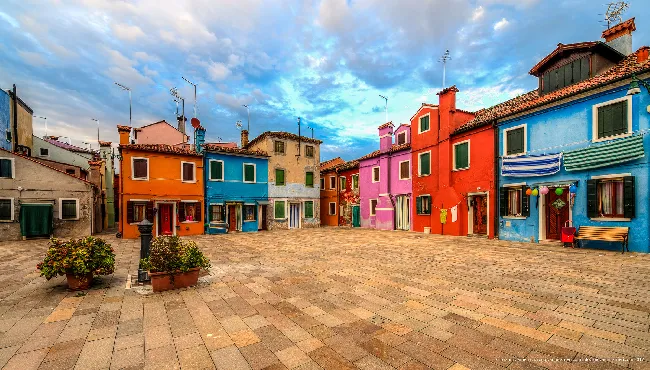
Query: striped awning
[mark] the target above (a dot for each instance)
(618, 151)
(531, 165)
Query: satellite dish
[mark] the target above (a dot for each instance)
(195, 122)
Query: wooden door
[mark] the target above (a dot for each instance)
(262, 216)
(356, 219)
(557, 213)
(165, 226)
(232, 218)
(480, 212)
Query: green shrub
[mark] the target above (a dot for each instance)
(78, 257)
(170, 254)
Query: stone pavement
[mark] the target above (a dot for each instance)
(337, 299)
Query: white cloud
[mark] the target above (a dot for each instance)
(478, 13)
(123, 70)
(150, 72)
(503, 23)
(31, 58)
(127, 32)
(234, 60)
(141, 55)
(218, 71)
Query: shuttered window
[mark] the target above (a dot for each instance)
(69, 209)
(188, 171)
(461, 156)
(6, 210)
(515, 141)
(423, 205)
(373, 207)
(513, 202)
(6, 168)
(424, 123)
(279, 177)
(309, 179)
(249, 172)
(309, 209)
(343, 182)
(355, 182)
(568, 74)
(612, 119)
(401, 138)
(279, 206)
(332, 182)
(375, 174)
(322, 183)
(309, 151)
(424, 167)
(611, 198)
(189, 212)
(405, 170)
(278, 147)
(216, 170)
(140, 168)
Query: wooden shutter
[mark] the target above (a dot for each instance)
(575, 69)
(216, 170)
(149, 211)
(405, 171)
(181, 211)
(428, 199)
(279, 209)
(525, 202)
(309, 179)
(546, 83)
(418, 205)
(629, 201)
(461, 156)
(129, 212)
(601, 121)
(209, 214)
(592, 198)
(584, 69)
(279, 177)
(188, 173)
(198, 212)
(503, 201)
(249, 173)
(309, 209)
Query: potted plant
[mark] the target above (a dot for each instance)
(79, 260)
(173, 263)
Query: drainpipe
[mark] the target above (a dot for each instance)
(496, 212)
(15, 119)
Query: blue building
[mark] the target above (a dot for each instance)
(236, 189)
(5, 122)
(577, 144)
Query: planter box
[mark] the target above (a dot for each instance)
(161, 281)
(79, 283)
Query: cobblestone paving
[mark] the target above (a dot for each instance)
(337, 299)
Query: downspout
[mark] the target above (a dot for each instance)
(496, 212)
(390, 196)
(15, 119)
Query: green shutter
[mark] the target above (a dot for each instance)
(279, 209)
(592, 198)
(425, 164)
(628, 197)
(584, 68)
(503, 202)
(418, 205)
(249, 173)
(309, 179)
(546, 83)
(216, 170)
(568, 74)
(515, 141)
(279, 177)
(612, 119)
(575, 69)
(462, 156)
(309, 209)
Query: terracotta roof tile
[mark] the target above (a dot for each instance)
(348, 165)
(387, 124)
(122, 128)
(230, 150)
(161, 148)
(283, 135)
(66, 146)
(628, 24)
(532, 99)
(331, 163)
(395, 148)
(448, 89)
(105, 143)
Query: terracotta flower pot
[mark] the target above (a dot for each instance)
(161, 281)
(79, 282)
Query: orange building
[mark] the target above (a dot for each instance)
(329, 195)
(161, 183)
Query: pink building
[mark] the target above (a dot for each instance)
(385, 181)
(160, 132)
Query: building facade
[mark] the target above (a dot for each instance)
(348, 196)
(293, 176)
(385, 181)
(160, 132)
(161, 183)
(107, 154)
(329, 192)
(16, 128)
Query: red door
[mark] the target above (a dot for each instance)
(232, 218)
(557, 213)
(165, 219)
(480, 215)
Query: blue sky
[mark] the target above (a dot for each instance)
(325, 61)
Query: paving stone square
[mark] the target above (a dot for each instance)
(336, 298)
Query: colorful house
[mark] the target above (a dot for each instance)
(385, 181)
(453, 170)
(577, 143)
(329, 192)
(349, 210)
(236, 189)
(294, 173)
(161, 183)
(161, 132)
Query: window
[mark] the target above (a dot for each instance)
(401, 138)
(189, 212)
(7, 168)
(216, 170)
(138, 210)
(424, 164)
(461, 155)
(322, 183)
(70, 171)
(612, 119)
(612, 197)
(309, 151)
(355, 181)
(279, 177)
(424, 124)
(566, 75)
(515, 140)
(249, 172)
(332, 209)
(6, 209)
(343, 182)
(8, 136)
(309, 209)
(423, 205)
(405, 170)
(216, 213)
(278, 147)
(140, 168)
(249, 212)
(375, 174)
(373, 207)
(279, 206)
(309, 179)
(332, 182)
(69, 209)
(513, 202)
(44, 152)
(187, 172)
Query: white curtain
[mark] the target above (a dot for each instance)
(611, 198)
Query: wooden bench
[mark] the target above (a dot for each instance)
(603, 233)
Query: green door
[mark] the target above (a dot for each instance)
(36, 220)
(356, 220)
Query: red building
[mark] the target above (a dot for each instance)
(349, 211)
(452, 171)
(329, 192)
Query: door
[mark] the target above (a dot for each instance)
(294, 215)
(36, 220)
(402, 214)
(165, 226)
(262, 216)
(232, 218)
(480, 212)
(356, 220)
(557, 213)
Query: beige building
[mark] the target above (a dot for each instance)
(17, 133)
(294, 178)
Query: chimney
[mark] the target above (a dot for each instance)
(94, 174)
(446, 106)
(386, 136)
(124, 132)
(181, 124)
(199, 139)
(619, 36)
(244, 138)
(642, 54)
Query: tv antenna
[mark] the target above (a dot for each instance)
(385, 106)
(614, 12)
(443, 59)
(239, 125)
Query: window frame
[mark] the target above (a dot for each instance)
(378, 174)
(343, 183)
(376, 200)
(143, 178)
(329, 208)
(520, 187)
(594, 119)
(312, 179)
(183, 163)
(420, 123)
(454, 155)
(505, 140)
(184, 203)
(212, 221)
(307, 152)
(254, 213)
(13, 167)
(40, 152)
(609, 177)
(355, 179)
(223, 170)
(284, 177)
(304, 208)
(420, 163)
(400, 170)
(332, 183)
(322, 183)
(13, 211)
(284, 147)
(403, 134)
(275, 216)
(419, 198)
(244, 173)
(76, 218)
(138, 202)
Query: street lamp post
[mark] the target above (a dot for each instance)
(195, 101)
(129, 90)
(249, 116)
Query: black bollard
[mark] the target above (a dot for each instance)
(145, 228)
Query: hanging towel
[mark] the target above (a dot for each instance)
(454, 213)
(531, 165)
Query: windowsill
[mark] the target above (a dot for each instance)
(250, 220)
(609, 138)
(6, 221)
(460, 169)
(217, 222)
(514, 217)
(69, 219)
(420, 175)
(280, 219)
(249, 182)
(514, 155)
(424, 214)
(216, 180)
(611, 219)
(189, 182)
(422, 132)
(140, 179)
(190, 222)
(407, 178)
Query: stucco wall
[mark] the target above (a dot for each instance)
(328, 195)
(108, 186)
(348, 197)
(25, 129)
(59, 154)
(160, 133)
(5, 121)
